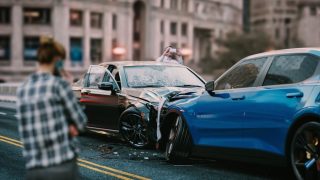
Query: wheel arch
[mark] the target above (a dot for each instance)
(298, 122)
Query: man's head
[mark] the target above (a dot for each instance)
(50, 51)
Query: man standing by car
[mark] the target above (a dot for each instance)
(49, 117)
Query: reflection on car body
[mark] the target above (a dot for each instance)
(124, 96)
(263, 109)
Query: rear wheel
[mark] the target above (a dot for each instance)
(133, 129)
(179, 142)
(305, 151)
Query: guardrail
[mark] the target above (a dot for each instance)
(8, 92)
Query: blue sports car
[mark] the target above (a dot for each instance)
(266, 108)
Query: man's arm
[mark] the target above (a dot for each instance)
(72, 107)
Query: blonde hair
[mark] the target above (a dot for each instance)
(49, 49)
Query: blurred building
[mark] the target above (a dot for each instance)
(308, 23)
(274, 17)
(289, 23)
(103, 30)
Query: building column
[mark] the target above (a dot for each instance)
(122, 28)
(130, 33)
(16, 40)
(86, 41)
(61, 28)
(167, 34)
(107, 36)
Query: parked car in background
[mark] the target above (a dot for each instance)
(266, 108)
(119, 96)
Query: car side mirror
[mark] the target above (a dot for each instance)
(106, 86)
(209, 86)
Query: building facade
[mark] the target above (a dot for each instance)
(289, 23)
(308, 24)
(104, 30)
(274, 17)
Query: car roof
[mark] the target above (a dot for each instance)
(311, 50)
(137, 63)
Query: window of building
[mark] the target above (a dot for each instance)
(114, 21)
(76, 18)
(37, 15)
(96, 50)
(76, 51)
(277, 33)
(162, 27)
(184, 29)
(31, 45)
(173, 28)
(162, 3)
(174, 4)
(174, 44)
(242, 76)
(161, 47)
(185, 5)
(4, 48)
(96, 20)
(5, 15)
(313, 10)
(290, 69)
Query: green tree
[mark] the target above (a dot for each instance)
(239, 46)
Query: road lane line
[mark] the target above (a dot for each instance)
(19, 144)
(104, 172)
(9, 142)
(10, 139)
(114, 170)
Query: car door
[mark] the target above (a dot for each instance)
(101, 106)
(271, 107)
(220, 115)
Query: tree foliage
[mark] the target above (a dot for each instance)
(239, 46)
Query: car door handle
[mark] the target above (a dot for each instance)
(238, 97)
(296, 94)
(86, 92)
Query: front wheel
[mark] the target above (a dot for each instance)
(133, 130)
(179, 142)
(305, 151)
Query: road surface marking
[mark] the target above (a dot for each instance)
(10, 139)
(120, 175)
(104, 172)
(3, 113)
(114, 170)
(9, 142)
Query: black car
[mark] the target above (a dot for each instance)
(123, 97)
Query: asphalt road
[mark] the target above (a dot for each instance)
(106, 157)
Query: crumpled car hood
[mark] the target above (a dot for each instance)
(154, 94)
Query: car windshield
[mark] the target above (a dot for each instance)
(161, 76)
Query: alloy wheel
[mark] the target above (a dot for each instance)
(134, 131)
(305, 151)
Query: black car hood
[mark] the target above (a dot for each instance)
(155, 94)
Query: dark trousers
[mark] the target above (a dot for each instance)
(65, 171)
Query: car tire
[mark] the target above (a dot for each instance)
(178, 146)
(305, 150)
(133, 129)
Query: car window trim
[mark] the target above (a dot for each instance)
(317, 70)
(255, 84)
(106, 70)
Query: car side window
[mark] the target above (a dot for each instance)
(95, 76)
(243, 75)
(288, 69)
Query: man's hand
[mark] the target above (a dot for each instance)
(73, 131)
